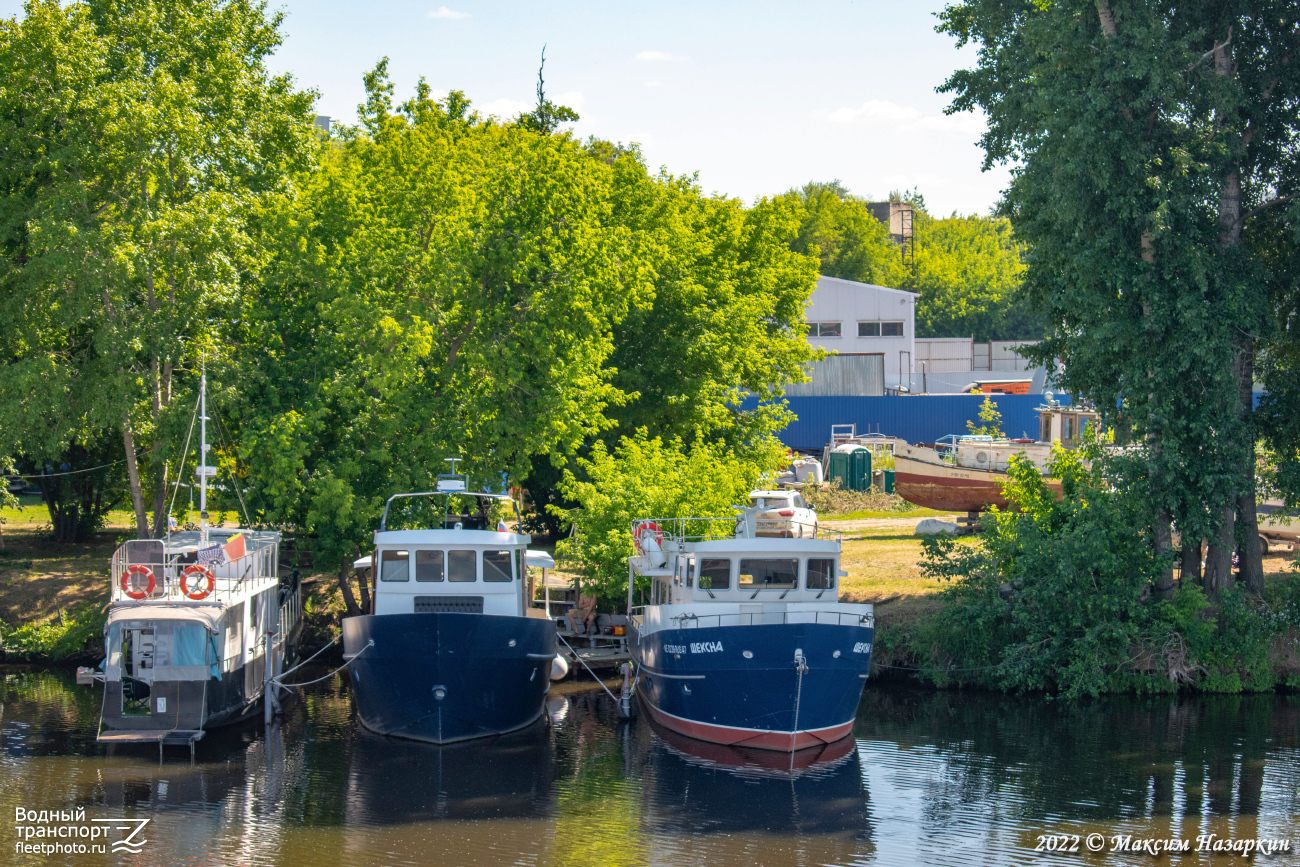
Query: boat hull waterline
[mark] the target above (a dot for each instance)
(446, 677)
(699, 683)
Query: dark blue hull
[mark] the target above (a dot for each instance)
(445, 677)
(698, 682)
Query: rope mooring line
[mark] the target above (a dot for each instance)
(276, 680)
(588, 667)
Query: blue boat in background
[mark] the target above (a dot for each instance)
(450, 650)
(743, 640)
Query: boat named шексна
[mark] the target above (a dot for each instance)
(744, 640)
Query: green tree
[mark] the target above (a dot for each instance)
(990, 420)
(722, 321)
(1151, 141)
(968, 269)
(443, 287)
(847, 239)
(968, 273)
(140, 140)
(646, 478)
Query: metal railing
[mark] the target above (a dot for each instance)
(230, 579)
(764, 618)
(710, 529)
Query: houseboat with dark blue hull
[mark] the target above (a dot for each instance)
(450, 650)
(736, 645)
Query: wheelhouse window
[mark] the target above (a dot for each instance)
(496, 566)
(460, 565)
(768, 574)
(823, 329)
(429, 566)
(715, 574)
(394, 566)
(821, 574)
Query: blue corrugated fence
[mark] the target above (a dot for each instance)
(918, 418)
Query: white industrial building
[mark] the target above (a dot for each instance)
(872, 331)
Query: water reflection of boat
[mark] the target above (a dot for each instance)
(755, 762)
(695, 785)
(509, 777)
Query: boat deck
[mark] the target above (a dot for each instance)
(162, 737)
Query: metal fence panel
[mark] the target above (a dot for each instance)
(918, 418)
(850, 374)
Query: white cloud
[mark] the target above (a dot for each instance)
(450, 14)
(882, 112)
(655, 55)
(573, 99)
(654, 84)
(504, 108)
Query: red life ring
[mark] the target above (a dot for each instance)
(198, 592)
(651, 530)
(138, 570)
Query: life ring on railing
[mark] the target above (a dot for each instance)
(198, 592)
(649, 540)
(138, 570)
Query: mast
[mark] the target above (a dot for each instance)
(203, 453)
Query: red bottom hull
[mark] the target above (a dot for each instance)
(756, 738)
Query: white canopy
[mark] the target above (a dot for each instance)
(208, 615)
(540, 560)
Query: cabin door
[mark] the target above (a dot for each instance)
(137, 670)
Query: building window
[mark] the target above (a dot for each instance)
(868, 329)
(880, 329)
(823, 329)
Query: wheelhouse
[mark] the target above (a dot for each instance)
(463, 571)
(749, 570)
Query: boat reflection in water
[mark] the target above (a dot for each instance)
(508, 777)
(703, 787)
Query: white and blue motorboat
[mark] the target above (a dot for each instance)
(451, 649)
(743, 640)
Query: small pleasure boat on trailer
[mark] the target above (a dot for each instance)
(743, 640)
(450, 650)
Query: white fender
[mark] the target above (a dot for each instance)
(559, 668)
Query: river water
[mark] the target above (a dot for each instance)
(943, 778)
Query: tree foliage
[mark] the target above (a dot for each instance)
(140, 138)
(645, 477)
(1151, 144)
(968, 268)
(443, 286)
(1058, 595)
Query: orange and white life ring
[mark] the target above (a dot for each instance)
(198, 592)
(137, 569)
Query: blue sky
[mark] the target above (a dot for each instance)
(756, 97)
